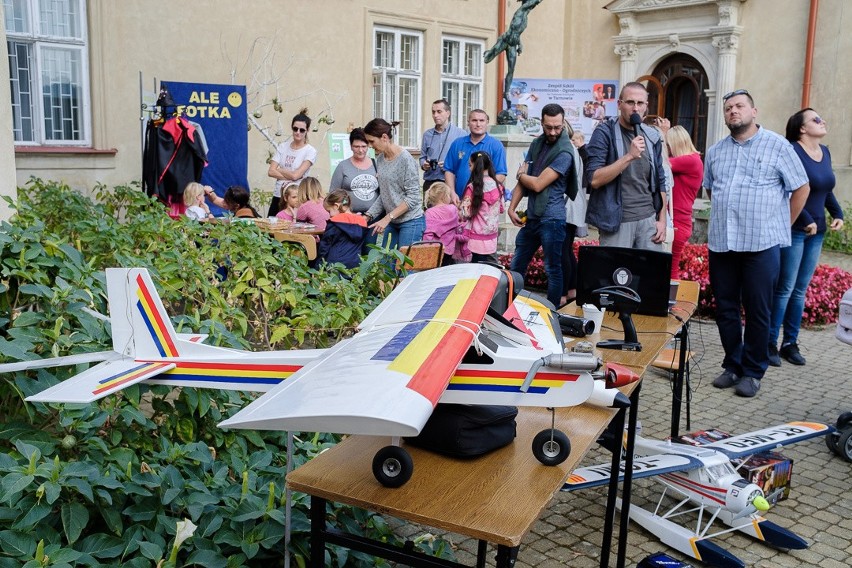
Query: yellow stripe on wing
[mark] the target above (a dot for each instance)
(412, 357)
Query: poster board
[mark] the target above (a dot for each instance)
(586, 101)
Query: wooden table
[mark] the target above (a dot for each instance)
(495, 498)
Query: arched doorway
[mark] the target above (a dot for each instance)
(676, 90)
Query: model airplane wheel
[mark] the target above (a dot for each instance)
(392, 466)
(844, 445)
(831, 442)
(551, 447)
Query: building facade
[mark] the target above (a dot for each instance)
(80, 70)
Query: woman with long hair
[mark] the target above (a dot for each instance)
(398, 212)
(292, 160)
(480, 208)
(688, 173)
(805, 131)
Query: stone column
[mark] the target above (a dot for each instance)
(727, 46)
(627, 52)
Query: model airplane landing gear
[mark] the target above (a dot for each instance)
(551, 446)
(392, 466)
(840, 442)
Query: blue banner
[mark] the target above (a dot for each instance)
(221, 112)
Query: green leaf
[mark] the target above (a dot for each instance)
(206, 558)
(17, 543)
(152, 551)
(13, 484)
(101, 546)
(75, 517)
(32, 517)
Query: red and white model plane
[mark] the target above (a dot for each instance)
(700, 481)
(433, 339)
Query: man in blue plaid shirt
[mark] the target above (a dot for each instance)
(758, 186)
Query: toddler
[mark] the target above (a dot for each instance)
(442, 219)
(193, 198)
(344, 234)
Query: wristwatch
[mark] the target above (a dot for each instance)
(390, 216)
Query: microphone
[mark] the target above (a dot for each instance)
(636, 120)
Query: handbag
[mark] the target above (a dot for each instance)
(460, 430)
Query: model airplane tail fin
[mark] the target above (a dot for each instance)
(141, 328)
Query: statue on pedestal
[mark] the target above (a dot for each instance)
(510, 42)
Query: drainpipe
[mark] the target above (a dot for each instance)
(501, 61)
(809, 54)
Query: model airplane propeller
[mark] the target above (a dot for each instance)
(703, 477)
(435, 338)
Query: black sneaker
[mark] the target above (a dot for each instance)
(774, 359)
(791, 354)
(747, 387)
(726, 380)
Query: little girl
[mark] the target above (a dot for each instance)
(193, 198)
(482, 203)
(311, 209)
(442, 219)
(290, 200)
(344, 233)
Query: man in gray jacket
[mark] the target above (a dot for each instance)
(626, 177)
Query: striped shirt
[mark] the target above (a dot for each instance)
(750, 184)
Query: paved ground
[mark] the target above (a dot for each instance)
(820, 504)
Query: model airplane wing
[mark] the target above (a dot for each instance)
(597, 475)
(769, 438)
(387, 379)
(101, 380)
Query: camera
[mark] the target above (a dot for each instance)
(575, 326)
(433, 164)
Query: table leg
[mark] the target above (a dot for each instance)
(626, 486)
(480, 554)
(318, 527)
(506, 556)
(679, 376)
(616, 427)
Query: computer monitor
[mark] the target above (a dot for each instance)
(646, 272)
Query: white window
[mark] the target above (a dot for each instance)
(461, 76)
(397, 64)
(48, 71)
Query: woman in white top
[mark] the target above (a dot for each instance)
(293, 159)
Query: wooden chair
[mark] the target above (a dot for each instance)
(425, 255)
(306, 242)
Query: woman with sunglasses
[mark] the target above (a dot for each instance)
(293, 159)
(398, 212)
(805, 130)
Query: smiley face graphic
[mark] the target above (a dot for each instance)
(234, 99)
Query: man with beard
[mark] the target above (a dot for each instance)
(626, 177)
(758, 187)
(545, 179)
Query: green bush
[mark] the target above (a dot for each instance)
(841, 241)
(108, 484)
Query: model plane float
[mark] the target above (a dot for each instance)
(435, 338)
(701, 481)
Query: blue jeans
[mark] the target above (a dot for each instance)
(403, 234)
(549, 235)
(744, 279)
(798, 262)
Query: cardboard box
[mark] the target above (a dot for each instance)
(770, 471)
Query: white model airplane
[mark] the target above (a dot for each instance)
(704, 477)
(433, 339)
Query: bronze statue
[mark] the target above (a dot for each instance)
(510, 42)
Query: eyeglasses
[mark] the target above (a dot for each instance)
(635, 103)
(818, 120)
(735, 93)
(297, 129)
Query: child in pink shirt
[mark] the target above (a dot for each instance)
(442, 219)
(290, 202)
(311, 209)
(481, 205)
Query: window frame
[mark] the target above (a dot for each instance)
(388, 80)
(37, 43)
(461, 107)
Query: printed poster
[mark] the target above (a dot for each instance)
(587, 102)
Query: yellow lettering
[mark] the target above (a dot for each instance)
(224, 112)
(191, 111)
(214, 98)
(193, 98)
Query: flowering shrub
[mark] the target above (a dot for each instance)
(821, 302)
(535, 276)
